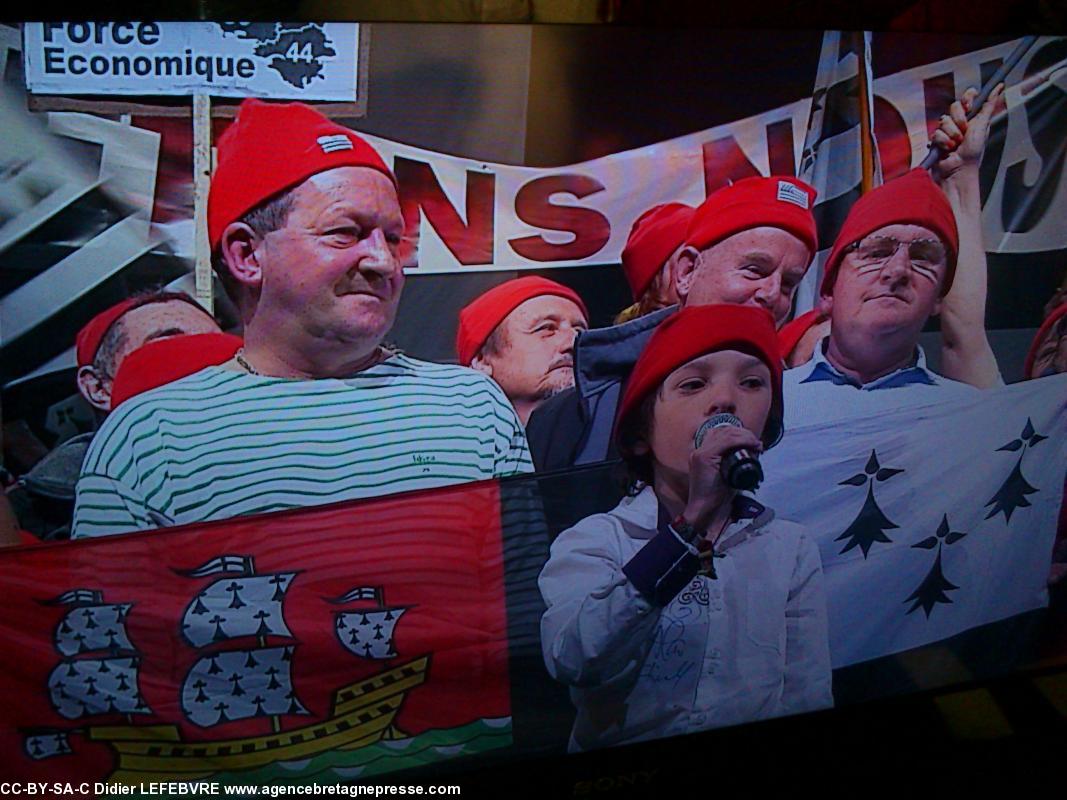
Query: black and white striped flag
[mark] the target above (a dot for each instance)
(360, 593)
(76, 597)
(832, 158)
(225, 563)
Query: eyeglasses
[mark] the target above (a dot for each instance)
(874, 251)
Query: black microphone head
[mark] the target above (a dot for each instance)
(714, 421)
(743, 473)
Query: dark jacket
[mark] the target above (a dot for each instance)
(43, 499)
(575, 426)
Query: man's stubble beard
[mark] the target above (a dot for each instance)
(550, 391)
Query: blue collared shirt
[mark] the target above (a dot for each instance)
(818, 392)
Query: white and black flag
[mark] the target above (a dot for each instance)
(832, 157)
(930, 519)
(224, 563)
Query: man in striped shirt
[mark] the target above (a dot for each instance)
(306, 230)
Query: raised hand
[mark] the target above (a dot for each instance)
(960, 141)
(708, 492)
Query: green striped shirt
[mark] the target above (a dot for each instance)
(221, 444)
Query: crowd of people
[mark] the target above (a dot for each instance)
(309, 406)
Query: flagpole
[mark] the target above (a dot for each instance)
(866, 136)
(201, 184)
(1024, 44)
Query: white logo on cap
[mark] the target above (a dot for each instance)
(331, 144)
(791, 193)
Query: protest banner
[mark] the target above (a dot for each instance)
(473, 216)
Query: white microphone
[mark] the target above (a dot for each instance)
(740, 467)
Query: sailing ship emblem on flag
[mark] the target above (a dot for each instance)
(215, 652)
(368, 633)
(236, 623)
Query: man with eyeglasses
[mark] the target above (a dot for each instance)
(887, 273)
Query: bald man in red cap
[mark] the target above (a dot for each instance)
(747, 244)
(521, 334)
(105, 341)
(307, 237)
(44, 497)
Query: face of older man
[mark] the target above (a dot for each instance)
(758, 267)
(334, 268)
(890, 282)
(535, 355)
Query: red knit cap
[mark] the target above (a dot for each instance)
(1042, 332)
(775, 202)
(479, 318)
(165, 360)
(790, 334)
(653, 238)
(694, 331)
(911, 199)
(271, 147)
(88, 340)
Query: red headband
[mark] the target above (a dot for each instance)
(479, 318)
(165, 360)
(271, 147)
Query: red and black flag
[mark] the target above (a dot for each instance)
(320, 644)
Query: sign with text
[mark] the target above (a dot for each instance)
(298, 60)
(471, 215)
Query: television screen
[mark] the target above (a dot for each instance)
(564, 390)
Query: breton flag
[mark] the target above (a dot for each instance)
(932, 519)
(840, 155)
(319, 645)
(342, 642)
